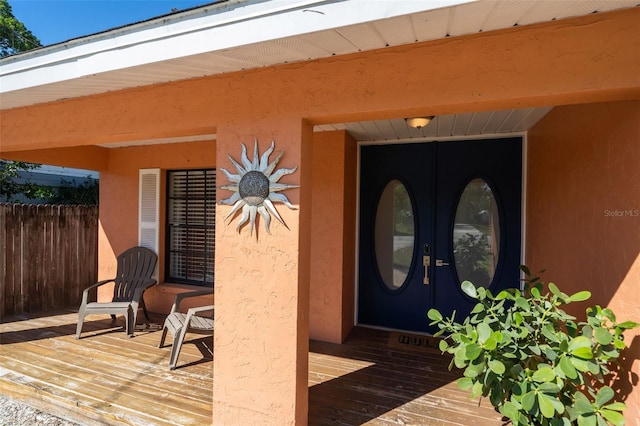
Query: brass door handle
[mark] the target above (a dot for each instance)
(426, 262)
(439, 262)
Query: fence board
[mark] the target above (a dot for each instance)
(48, 256)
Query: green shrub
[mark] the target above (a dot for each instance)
(537, 365)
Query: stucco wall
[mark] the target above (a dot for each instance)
(331, 308)
(583, 212)
(262, 286)
(118, 226)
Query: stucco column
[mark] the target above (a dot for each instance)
(261, 286)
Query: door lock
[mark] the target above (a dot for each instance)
(439, 262)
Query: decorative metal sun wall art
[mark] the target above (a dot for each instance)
(255, 187)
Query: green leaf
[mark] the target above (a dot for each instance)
(544, 374)
(594, 367)
(496, 366)
(510, 410)
(589, 420)
(484, 331)
(504, 294)
(476, 390)
(529, 400)
(443, 345)
(627, 325)
(535, 293)
(473, 351)
(474, 370)
(523, 304)
(477, 309)
(605, 394)
(579, 296)
(465, 383)
(550, 388)
(518, 318)
(434, 315)
(535, 349)
(460, 358)
(613, 417)
(582, 404)
(490, 344)
(558, 406)
(617, 406)
(584, 353)
(483, 293)
(581, 347)
(619, 344)
(580, 364)
(566, 366)
(546, 407)
(554, 289)
(603, 336)
(608, 313)
(549, 332)
(550, 353)
(469, 289)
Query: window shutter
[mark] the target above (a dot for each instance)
(149, 210)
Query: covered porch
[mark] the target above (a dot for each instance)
(129, 105)
(375, 377)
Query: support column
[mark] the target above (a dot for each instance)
(261, 341)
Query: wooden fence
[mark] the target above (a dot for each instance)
(48, 255)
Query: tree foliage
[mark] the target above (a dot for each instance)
(67, 192)
(14, 36)
(9, 171)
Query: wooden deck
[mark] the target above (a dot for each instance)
(375, 378)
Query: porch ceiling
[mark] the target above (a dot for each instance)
(238, 35)
(443, 127)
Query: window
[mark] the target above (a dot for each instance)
(190, 244)
(476, 234)
(394, 234)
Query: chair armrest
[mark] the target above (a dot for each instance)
(187, 294)
(85, 292)
(193, 311)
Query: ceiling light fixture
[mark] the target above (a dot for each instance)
(419, 122)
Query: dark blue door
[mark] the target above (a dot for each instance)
(431, 216)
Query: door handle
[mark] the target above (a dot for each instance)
(439, 262)
(426, 261)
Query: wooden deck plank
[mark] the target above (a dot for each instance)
(371, 383)
(100, 382)
(106, 378)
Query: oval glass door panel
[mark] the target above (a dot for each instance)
(476, 234)
(394, 235)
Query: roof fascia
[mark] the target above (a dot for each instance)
(215, 27)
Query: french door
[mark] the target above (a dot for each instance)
(431, 216)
